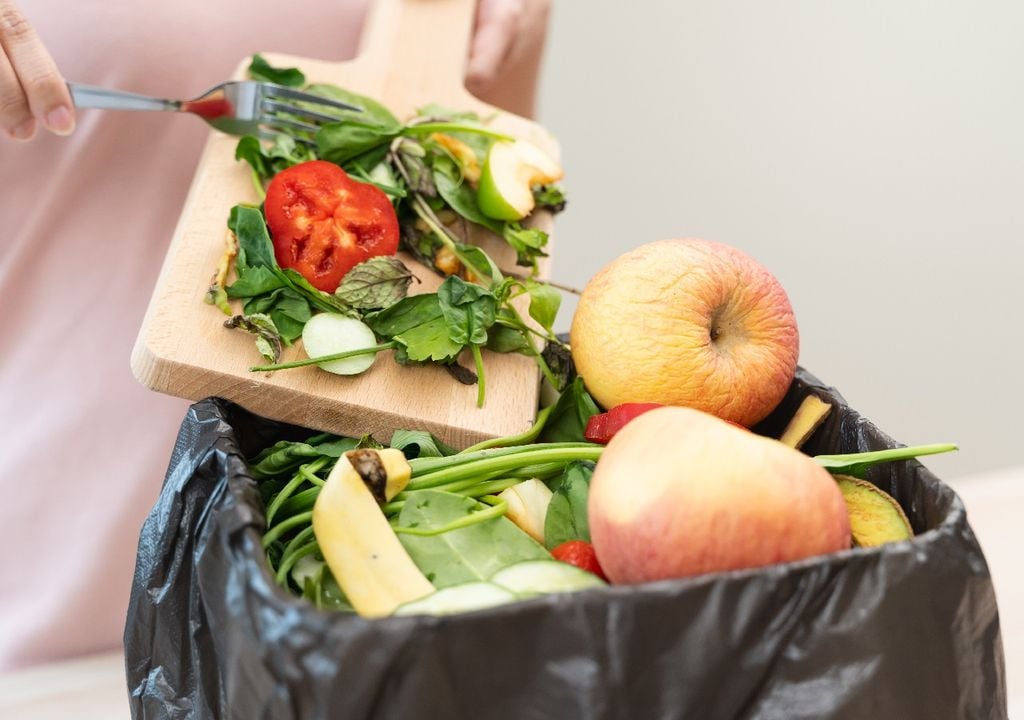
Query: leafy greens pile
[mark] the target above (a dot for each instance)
(447, 518)
(426, 166)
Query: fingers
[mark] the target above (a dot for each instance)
(15, 117)
(31, 87)
(497, 25)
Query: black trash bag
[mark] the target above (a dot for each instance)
(905, 631)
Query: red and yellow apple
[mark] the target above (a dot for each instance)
(687, 322)
(679, 492)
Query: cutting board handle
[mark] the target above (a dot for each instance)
(419, 34)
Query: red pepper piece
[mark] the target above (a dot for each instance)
(581, 554)
(602, 428)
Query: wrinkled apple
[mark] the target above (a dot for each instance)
(687, 322)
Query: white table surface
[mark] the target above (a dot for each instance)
(94, 687)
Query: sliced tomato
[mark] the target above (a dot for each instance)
(602, 428)
(324, 223)
(581, 554)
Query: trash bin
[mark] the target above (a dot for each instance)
(907, 630)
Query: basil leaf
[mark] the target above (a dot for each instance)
(568, 418)
(418, 443)
(342, 142)
(379, 282)
(469, 553)
(566, 518)
(260, 69)
(468, 309)
(544, 303)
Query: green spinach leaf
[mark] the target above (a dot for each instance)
(372, 111)
(504, 339)
(469, 310)
(544, 303)
(418, 323)
(568, 419)
(405, 314)
(418, 443)
(289, 311)
(567, 512)
(284, 457)
(260, 69)
(466, 554)
(254, 246)
(255, 281)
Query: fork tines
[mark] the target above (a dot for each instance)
(275, 110)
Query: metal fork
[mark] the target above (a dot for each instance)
(242, 107)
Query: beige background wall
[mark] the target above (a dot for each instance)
(870, 153)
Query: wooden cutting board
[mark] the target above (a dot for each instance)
(413, 53)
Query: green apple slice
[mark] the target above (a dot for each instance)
(508, 176)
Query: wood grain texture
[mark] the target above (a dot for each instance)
(413, 53)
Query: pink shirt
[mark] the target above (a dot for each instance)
(84, 224)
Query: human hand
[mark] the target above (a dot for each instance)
(507, 40)
(31, 88)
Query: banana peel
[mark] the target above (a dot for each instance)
(875, 516)
(358, 545)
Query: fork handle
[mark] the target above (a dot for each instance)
(89, 96)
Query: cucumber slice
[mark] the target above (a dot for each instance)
(458, 598)
(538, 577)
(331, 333)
